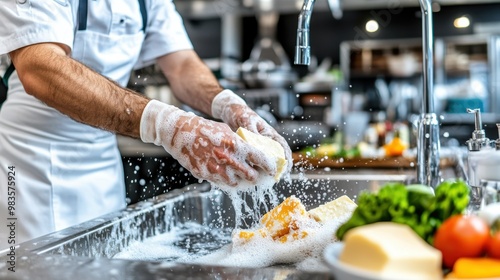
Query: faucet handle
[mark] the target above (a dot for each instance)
(478, 139)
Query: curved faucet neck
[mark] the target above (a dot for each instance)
(302, 46)
(428, 133)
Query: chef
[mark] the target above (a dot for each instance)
(59, 162)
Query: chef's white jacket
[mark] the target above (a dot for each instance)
(67, 172)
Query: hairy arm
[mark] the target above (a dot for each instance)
(63, 83)
(191, 80)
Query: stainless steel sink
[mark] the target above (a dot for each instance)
(198, 203)
(102, 238)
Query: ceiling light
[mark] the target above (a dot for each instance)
(371, 26)
(461, 22)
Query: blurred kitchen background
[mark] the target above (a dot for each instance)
(366, 70)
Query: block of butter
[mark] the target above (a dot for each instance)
(268, 146)
(391, 251)
(342, 207)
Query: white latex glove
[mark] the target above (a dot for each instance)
(209, 149)
(234, 111)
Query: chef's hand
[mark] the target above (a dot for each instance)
(210, 150)
(234, 111)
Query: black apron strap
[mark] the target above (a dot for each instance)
(144, 13)
(6, 76)
(83, 14)
(4, 85)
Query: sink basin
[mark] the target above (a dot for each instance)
(105, 237)
(197, 203)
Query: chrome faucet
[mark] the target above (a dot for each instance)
(302, 47)
(428, 129)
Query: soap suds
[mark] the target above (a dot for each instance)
(193, 243)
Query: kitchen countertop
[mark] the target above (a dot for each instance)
(131, 147)
(75, 268)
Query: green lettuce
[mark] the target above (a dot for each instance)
(416, 206)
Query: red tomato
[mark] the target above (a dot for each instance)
(493, 246)
(461, 236)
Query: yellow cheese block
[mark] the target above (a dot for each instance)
(243, 236)
(294, 235)
(342, 207)
(268, 146)
(391, 251)
(283, 218)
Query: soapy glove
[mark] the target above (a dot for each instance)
(209, 150)
(234, 111)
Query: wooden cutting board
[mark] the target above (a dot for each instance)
(385, 162)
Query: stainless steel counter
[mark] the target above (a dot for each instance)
(75, 268)
(85, 251)
(131, 147)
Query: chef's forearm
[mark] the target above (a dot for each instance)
(192, 82)
(75, 90)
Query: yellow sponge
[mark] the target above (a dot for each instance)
(289, 220)
(280, 223)
(334, 209)
(268, 146)
(281, 219)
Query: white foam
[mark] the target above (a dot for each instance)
(304, 254)
(262, 194)
(182, 244)
(177, 246)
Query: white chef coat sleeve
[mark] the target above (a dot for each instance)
(165, 33)
(35, 21)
